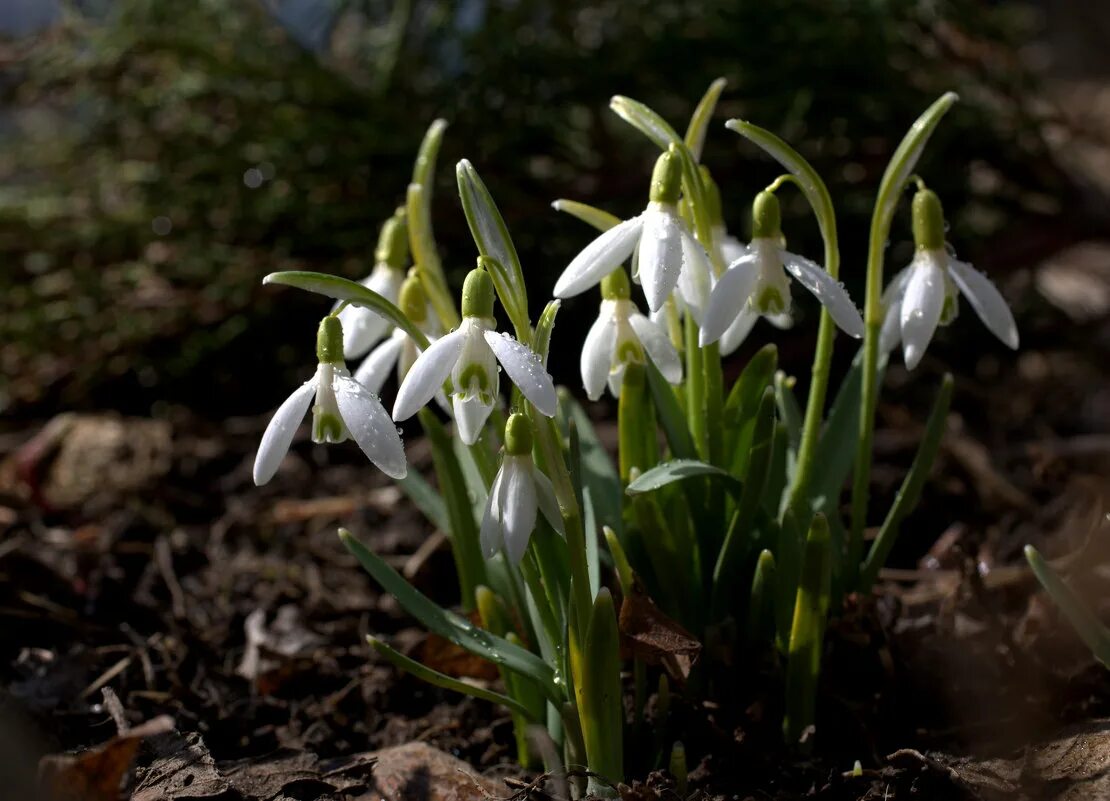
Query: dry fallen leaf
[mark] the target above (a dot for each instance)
(648, 634)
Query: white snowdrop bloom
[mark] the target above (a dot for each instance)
(343, 409)
(756, 284)
(362, 327)
(620, 336)
(663, 244)
(399, 350)
(924, 295)
(469, 356)
(519, 491)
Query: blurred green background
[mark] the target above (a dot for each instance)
(160, 157)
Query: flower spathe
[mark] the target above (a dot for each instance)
(469, 356)
(666, 251)
(622, 335)
(756, 284)
(343, 409)
(924, 294)
(519, 492)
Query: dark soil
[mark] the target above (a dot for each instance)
(142, 574)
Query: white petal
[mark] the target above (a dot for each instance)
(729, 298)
(731, 248)
(362, 328)
(597, 351)
(518, 505)
(470, 415)
(783, 321)
(490, 535)
(370, 426)
(987, 301)
(428, 374)
(825, 288)
(376, 367)
(658, 346)
(548, 503)
(599, 258)
(695, 280)
(279, 433)
(921, 307)
(525, 370)
(891, 332)
(660, 256)
(738, 331)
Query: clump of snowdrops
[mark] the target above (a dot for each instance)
(720, 520)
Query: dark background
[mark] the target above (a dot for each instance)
(159, 158)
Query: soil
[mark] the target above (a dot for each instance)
(143, 575)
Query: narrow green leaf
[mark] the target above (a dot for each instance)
(644, 120)
(1081, 618)
(910, 491)
(601, 706)
(791, 415)
(699, 122)
(453, 628)
(591, 215)
(739, 414)
(761, 599)
(487, 226)
(426, 499)
(807, 636)
(599, 474)
(620, 561)
(424, 168)
(332, 286)
(434, 677)
(541, 340)
(671, 416)
(421, 237)
(677, 470)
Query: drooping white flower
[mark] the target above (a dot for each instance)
(756, 284)
(343, 409)
(620, 336)
(399, 350)
(667, 255)
(469, 356)
(362, 327)
(924, 294)
(519, 491)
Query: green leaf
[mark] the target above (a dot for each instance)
(791, 415)
(677, 470)
(421, 237)
(601, 704)
(644, 120)
(1085, 623)
(541, 340)
(454, 628)
(739, 413)
(807, 634)
(910, 491)
(426, 499)
(434, 677)
(487, 226)
(332, 286)
(599, 474)
(671, 416)
(699, 122)
(599, 219)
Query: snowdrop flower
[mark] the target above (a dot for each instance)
(399, 350)
(469, 356)
(362, 328)
(620, 336)
(343, 408)
(667, 254)
(518, 491)
(756, 284)
(923, 295)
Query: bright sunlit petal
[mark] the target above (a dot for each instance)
(921, 306)
(987, 301)
(428, 374)
(825, 288)
(370, 426)
(599, 258)
(376, 367)
(279, 433)
(660, 256)
(525, 370)
(728, 299)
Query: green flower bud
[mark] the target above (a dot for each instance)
(766, 216)
(393, 242)
(329, 341)
(413, 301)
(666, 179)
(616, 286)
(477, 294)
(928, 220)
(518, 435)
